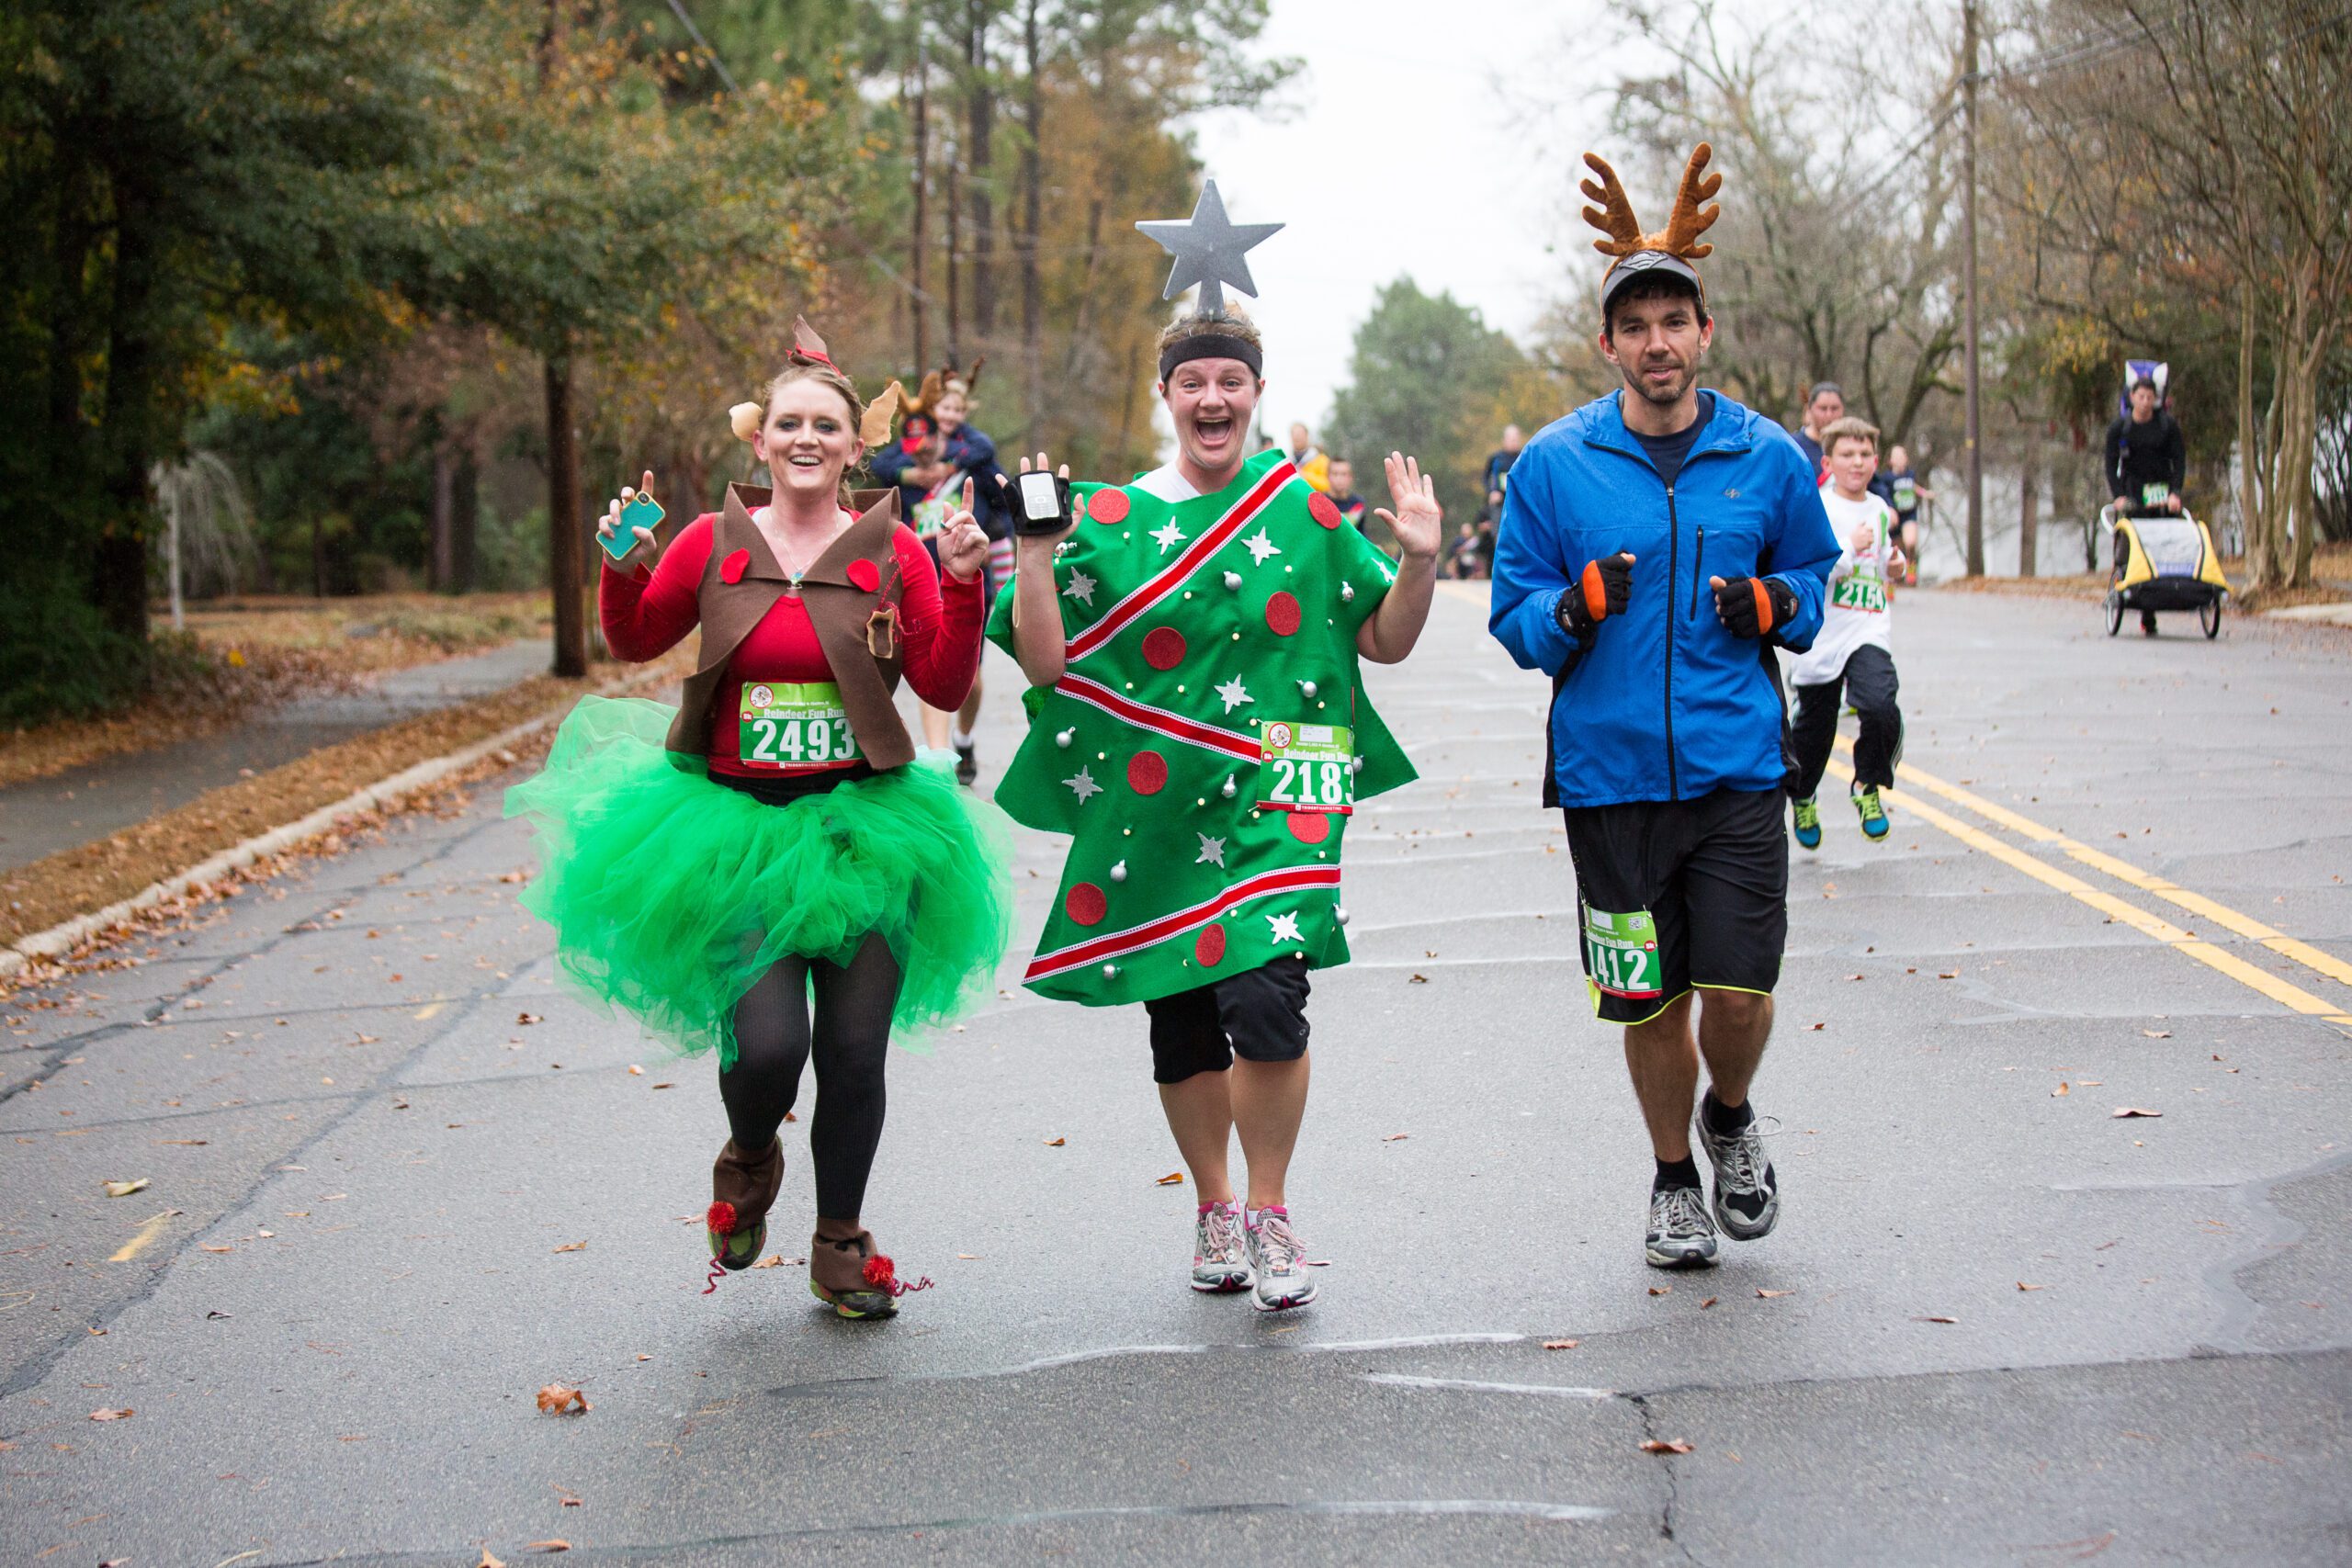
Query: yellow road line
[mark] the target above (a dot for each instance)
(2293, 997)
(2123, 871)
(146, 1232)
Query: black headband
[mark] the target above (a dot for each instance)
(1211, 346)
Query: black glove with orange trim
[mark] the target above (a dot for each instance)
(1753, 606)
(1599, 592)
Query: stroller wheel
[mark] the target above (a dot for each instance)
(2114, 612)
(2209, 615)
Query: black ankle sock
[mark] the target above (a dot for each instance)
(1722, 1120)
(1673, 1173)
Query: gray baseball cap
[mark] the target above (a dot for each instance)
(1644, 264)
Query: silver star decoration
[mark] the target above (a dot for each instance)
(1084, 784)
(1212, 850)
(1234, 694)
(1081, 588)
(1209, 249)
(1169, 535)
(1285, 927)
(1260, 547)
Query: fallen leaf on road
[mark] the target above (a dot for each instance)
(529, 1018)
(1708, 1302)
(1948, 974)
(125, 1189)
(1661, 1290)
(1174, 1178)
(1055, 1143)
(1395, 1137)
(1316, 1262)
(1419, 980)
(2157, 1034)
(792, 1116)
(1853, 977)
(968, 1257)
(551, 1546)
(1935, 1320)
(2124, 1111)
(1559, 1344)
(1819, 1027)
(572, 1246)
(208, 1247)
(665, 1085)
(2062, 1091)
(773, 1260)
(487, 1560)
(123, 1414)
(513, 876)
(2023, 1286)
(184, 1142)
(1774, 1295)
(636, 1072)
(1660, 1446)
(556, 1399)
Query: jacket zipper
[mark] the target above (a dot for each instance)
(1698, 565)
(1673, 570)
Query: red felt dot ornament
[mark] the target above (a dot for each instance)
(733, 569)
(1147, 772)
(1163, 648)
(1209, 946)
(1107, 506)
(1309, 826)
(864, 573)
(1283, 615)
(1086, 905)
(1324, 510)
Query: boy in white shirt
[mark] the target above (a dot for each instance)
(1852, 652)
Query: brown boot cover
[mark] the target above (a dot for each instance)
(838, 1255)
(743, 1189)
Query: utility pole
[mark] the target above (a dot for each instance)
(921, 299)
(1968, 222)
(567, 548)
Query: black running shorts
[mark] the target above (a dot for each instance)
(1260, 1013)
(1672, 894)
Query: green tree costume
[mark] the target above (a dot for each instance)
(1208, 738)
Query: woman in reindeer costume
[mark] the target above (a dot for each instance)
(773, 838)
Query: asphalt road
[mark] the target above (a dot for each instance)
(1998, 1324)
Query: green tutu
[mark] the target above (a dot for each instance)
(670, 895)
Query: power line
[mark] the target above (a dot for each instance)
(679, 11)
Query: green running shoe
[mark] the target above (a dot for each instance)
(1808, 823)
(1873, 810)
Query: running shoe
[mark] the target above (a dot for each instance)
(968, 762)
(1274, 1259)
(1220, 1250)
(1680, 1234)
(1808, 823)
(1748, 1195)
(1874, 812)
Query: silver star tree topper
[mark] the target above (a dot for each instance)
(1209, 249)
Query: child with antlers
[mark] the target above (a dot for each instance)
(1657, 545)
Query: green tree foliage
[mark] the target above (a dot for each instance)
(1430, 377)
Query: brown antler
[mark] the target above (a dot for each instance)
(1624, 231)
(1682, 230)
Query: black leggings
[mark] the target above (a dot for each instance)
(850, 1041)
(1869, 682)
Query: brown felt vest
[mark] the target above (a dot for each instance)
(838, 609)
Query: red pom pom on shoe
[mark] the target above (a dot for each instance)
(721, 1218)
(880, 1273)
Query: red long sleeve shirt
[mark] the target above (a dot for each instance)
(646, 614)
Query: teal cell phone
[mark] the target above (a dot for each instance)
(643, 512)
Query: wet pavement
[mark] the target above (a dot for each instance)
(1998, 1324)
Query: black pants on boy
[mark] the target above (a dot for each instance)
(1869, 682)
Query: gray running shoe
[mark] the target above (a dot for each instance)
(1220, 1256)
(1275, 1257)
(1748, 1195)
(1680, 1234)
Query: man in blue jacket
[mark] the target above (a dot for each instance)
(1656, 546)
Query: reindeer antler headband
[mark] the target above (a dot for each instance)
(1670, 249)
(807, 348)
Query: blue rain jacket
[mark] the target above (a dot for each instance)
(1664, 704)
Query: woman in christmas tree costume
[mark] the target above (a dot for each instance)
(711, 866)
(1200, 731)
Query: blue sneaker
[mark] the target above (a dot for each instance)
(1809, 823)
(1873, 810)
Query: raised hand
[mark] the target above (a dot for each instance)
(1022, 538)
(963, 546)
(1419, 522)
(642, 552)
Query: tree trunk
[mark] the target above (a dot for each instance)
(955, 203)
(978, 158)
(919, 246)
(465, 496)
(441, 571)
(1033, 180)
(567, 553)
(2250, 487)
(120, 579)
(2028, 499)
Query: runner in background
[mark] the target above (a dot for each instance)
(1909, 493)
(1308, 459)
(1496, 486)
(1825, 405)
(1852, 660)
(2147, 458)
(1355, 509)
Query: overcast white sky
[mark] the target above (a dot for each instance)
(1403, 157)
